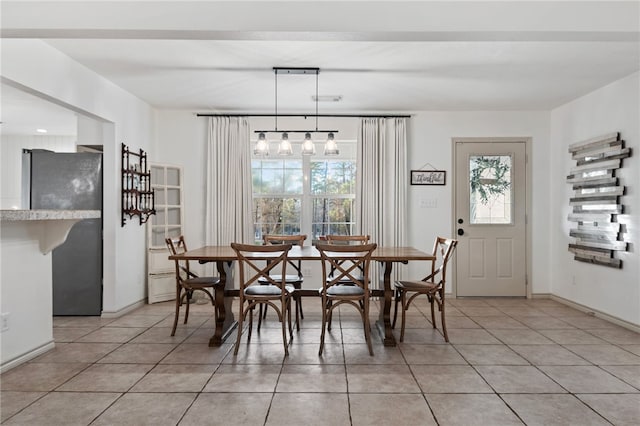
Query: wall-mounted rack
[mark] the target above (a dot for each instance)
(137, 196)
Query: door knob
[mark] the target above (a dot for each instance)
(460, 231)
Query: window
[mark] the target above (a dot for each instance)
(490, 189)
(304, 195)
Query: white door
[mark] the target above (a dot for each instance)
(490, 212)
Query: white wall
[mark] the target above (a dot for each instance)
(126, 119)
(613, 108)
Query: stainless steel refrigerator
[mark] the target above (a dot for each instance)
(70, 181)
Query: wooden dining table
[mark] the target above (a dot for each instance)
(224, 257)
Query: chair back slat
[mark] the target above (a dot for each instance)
(179, 246)
(340, 261)
(252, 268)
(296, 240)
(443, 248)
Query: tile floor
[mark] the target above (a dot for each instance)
(510, 361)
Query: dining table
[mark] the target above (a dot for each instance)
(224, 258)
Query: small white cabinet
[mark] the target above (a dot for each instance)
(166, 182)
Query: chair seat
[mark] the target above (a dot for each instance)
(416, 285)
(344, 290)
(266, 290)
(202, 281)
(289, 279)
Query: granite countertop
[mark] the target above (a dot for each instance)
(16, 215)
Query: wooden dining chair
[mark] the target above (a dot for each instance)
(251, 259)
(296, 279)
(432, 286)
(345, 262)
(187, 282)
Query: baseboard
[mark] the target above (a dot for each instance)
(27, 357)
(541, 295)
(617, 321)
(123, 311)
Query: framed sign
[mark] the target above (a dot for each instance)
(428, 177)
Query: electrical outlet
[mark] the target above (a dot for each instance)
(4, 322)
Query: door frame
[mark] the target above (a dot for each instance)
(528, 174)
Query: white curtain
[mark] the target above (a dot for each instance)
(228, 202)
(382, 179)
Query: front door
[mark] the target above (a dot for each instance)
(490, 213)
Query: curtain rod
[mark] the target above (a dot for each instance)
(306, 115)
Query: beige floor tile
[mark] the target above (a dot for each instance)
(134, 320)
(175, 378)
(634, 349)
(521, 312)
(12, 402)
(64, 408)
(241, 409)
(70, 334)
(77, 352)
(163, 335)
(94, 322)
(381, 379)
(589, 322)
(545, 323)
(562, 311)
(586, 379)
(143, 353)
(310, 409)
(244, 378)
(619, 409)
(617, 335)
(521, 337)
(552, 410)
(571, 337)
(258, 353)
(468, 302)
(627, 373)
(112, 334)
(39, 376)
(471, 337)
(188, 353)
(308, 354)
(460, 322)
(359, 354)
(106, 378)
(356, 335)
(386, 409)
(431, 354)
(497, 322)
(605, 354)
(449, 379)
(548, 355)
(152, 409)
(312, 378)
(200, 335)
(427, 335)
(471, 409)
(480, 311)
(194, 321)
(518, 379)
(490, 355)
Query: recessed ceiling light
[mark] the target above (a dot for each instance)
(327, 98)
(41, 130)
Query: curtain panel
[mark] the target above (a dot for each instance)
(382, 176)
(229, 200)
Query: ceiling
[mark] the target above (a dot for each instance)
(381, 57)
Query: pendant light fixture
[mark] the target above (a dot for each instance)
(284, 147)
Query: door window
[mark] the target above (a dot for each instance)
(490, 189)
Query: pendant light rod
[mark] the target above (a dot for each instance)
(295, 131)
(205, 114)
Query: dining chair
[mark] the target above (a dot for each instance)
(295, 279)
(187, 282)
(251, 260)
(432, 286)
(345, 262)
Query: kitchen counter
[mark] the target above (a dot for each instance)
(14, 215)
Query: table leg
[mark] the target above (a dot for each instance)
(384, 321)
(225, 322)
